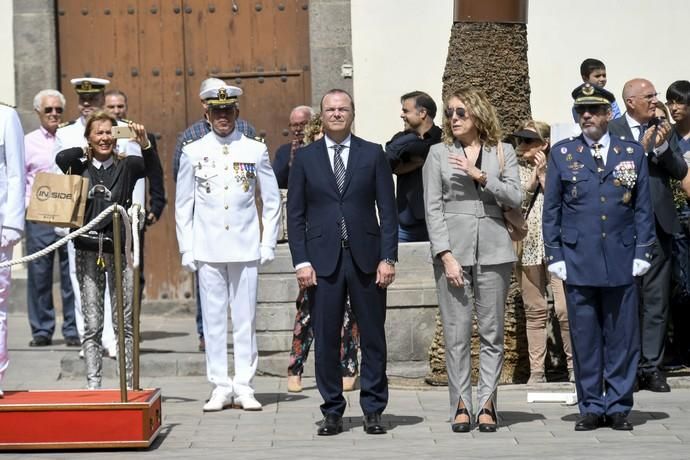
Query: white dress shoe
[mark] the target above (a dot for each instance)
(246, 402)
(220, 399)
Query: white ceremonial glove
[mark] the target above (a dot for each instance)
(188, 262)
(267, 255)
(640, 267)
(61, 231)
(558, 270)
(9, 237)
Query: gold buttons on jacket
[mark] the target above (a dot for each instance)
(603, 217)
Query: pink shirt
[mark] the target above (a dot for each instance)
(39, 157)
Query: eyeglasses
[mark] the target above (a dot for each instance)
(591, 109)
(461, 112)
(53, 109)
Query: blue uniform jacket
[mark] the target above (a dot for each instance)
(597, 222)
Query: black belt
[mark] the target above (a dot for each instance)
(345, 244)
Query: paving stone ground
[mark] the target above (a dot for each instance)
(417, 419)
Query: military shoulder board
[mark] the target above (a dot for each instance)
(260, 139)
(66, 123)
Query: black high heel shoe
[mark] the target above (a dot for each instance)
(463, 427)
(487, 427)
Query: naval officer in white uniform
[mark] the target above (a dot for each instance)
(11, 210)
(219, 235)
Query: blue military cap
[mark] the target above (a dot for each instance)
(588, 94)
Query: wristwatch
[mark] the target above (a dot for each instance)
(390, 262)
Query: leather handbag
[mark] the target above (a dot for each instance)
(514, 220)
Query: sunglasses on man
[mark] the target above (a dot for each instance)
(47, 110)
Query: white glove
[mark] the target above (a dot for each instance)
(10, 237)
(557, 269)
(267, 255)
(188, 262)
(61, 231)
(640, 267)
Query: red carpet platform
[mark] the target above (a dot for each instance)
(79, 419)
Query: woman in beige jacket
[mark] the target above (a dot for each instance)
(468, 179)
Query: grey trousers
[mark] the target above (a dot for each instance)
(485, 292)
(92, 286)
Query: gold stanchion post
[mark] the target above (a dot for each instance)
(117, 243)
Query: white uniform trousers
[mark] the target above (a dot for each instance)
(108, 339)
(5, 278)
(233, 283)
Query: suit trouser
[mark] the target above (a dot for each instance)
(533, 282)
(606, 346)
(220, 285)
(369, 306)
(40, 304)
(485, 290)
(5, 278)
(654, 306)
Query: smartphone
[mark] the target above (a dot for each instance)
(123, 132)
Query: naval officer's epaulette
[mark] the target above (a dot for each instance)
(66, 123)
(189, 141)
(7, 105)
(260, 139)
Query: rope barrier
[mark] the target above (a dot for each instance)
(61, 242)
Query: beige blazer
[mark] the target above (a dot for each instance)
(465, 219)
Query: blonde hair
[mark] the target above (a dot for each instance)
(313, 128)
(100, 115)
(481, 111)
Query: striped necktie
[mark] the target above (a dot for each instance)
(339, 171)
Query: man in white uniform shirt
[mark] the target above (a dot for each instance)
(219, 235)
(11, 210)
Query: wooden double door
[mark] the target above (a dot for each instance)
(159, 51)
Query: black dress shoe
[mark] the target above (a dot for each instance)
(487, 427)
(41, 341)
(619, 421)
(461, 427)
(653, 381)
(589, 422)
(372, 424)
(72, 341)
(330, 425)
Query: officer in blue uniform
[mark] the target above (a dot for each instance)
(598, 233)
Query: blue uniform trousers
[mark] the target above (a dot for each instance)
(40, 284)
(604, 327)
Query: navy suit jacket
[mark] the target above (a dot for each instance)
(315, 208)
(597, 223)
(661, 168)
(281, 164)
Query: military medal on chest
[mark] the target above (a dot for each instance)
(244, 173)
(625, 176)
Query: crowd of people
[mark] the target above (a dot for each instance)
(604, 235)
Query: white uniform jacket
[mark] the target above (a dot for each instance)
(11, 170)
(215, 208)
(72, 135)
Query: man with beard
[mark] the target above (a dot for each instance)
(406, 153)
(598, 236)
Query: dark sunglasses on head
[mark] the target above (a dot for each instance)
(53, 109)
(461, 112)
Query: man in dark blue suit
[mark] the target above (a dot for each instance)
(338, 248)
(598, 235)
(639, 123)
